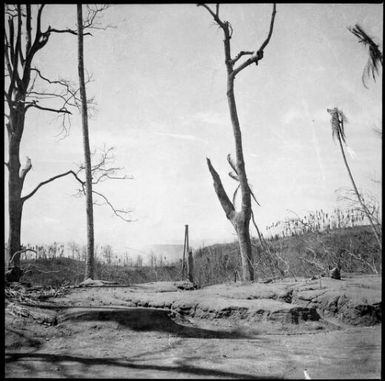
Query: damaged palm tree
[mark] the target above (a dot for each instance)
(338, 119)
(239, 219)
(375, 55)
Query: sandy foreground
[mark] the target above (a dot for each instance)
(330, 328)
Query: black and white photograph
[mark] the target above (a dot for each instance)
(193, 190)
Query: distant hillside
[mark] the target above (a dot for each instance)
(303, 255)
(173, 252)
(56, 271)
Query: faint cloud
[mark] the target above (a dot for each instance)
(292, 115)
(210, 117)
(318, 69)
(321, 115)
(181, 136)
(49, 220)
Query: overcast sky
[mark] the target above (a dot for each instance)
(160, 88)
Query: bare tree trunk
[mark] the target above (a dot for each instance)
(15, 183)
(241, 219)
(190, 263)
(243, 232)
(22, 41)
(87, 154)
(240, 223)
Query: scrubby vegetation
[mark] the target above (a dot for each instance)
(299, 247)
(311, 253)
(58, 271)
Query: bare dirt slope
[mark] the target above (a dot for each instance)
(276, 330)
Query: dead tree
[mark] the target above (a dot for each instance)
(23, 38)
(239, 219)
(338, 120)
(86, 148)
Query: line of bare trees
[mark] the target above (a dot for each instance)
(321, 220)
(102, 254)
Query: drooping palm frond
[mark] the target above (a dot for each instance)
(252, 194)
(375, 55)
(337, 122)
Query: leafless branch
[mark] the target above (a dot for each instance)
(215, 15)
(263, 46)
(35, 105)
(67, 30)
(50, 81)
(100, 173)
(118, 212)
(227, 206)
(106, 175)
(232, 164)
(235, 193)
(258, 55)
(20, 252)
(241, 54)
(90, 21)
(72, 99)
(70, 172)
(234, 176)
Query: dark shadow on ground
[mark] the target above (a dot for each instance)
(181, 367)
(16, 338)
(150, 319)
(59, 307)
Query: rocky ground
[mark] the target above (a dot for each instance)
(331, 328)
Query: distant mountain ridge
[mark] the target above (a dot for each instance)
(172, 252)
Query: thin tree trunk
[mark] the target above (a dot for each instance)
(242, 219)
(15, 185)
(190, 267)
(87, 154)
(358, 195)
(243, 233)
(14, 239)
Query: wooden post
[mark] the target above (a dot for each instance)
(185, 251)
(190, 264)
